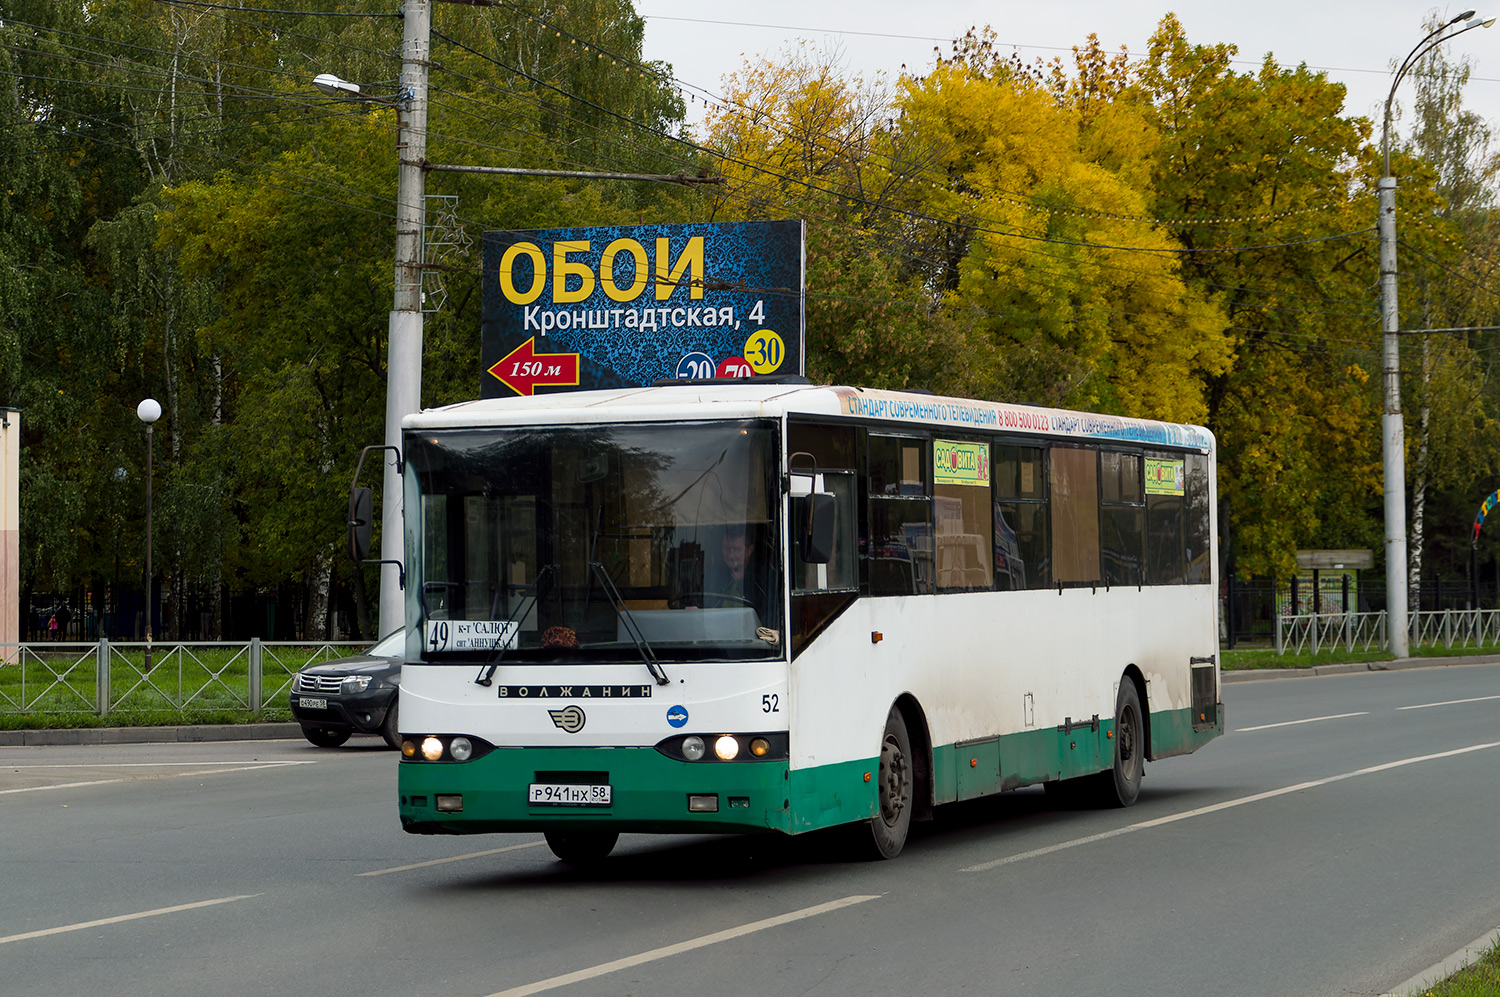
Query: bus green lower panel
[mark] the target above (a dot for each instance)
(649, 792)
(1173, 732)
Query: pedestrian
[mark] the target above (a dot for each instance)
(52, 627)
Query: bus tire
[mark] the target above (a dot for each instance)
(581, 849)
(1120, 786)
(894, 790)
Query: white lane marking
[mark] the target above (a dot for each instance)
(667, 951)
(1226, 805)
(153, 765)
(456, 858)
(106, 782)
(123, 917)
(61, 785)
(1293, 723)
(1450, 702)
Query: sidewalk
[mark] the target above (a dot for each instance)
(151, 735)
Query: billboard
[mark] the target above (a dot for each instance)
(627, 306)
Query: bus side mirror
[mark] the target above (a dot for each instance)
(361, 523)
(816, 522)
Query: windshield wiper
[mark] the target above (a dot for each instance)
(497, 650)
(631, 626)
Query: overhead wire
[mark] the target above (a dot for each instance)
(929, 219)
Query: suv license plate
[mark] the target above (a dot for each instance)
(308, 703)
(549, 794)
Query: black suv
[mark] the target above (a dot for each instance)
(355, 695)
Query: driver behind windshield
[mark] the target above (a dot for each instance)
(741, 586)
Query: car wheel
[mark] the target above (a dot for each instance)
(325, 738)
(389, 730)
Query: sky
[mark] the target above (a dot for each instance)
(1355, 43)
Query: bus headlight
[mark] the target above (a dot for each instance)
(408, 748)
(760, 747)
(727, 747)
(432, 748)
(461, 749)
(692, 748)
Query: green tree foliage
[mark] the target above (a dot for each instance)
(185, 217)
(1257, 172)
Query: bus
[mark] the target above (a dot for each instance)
(766, 605)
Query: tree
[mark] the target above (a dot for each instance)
(1257, 172)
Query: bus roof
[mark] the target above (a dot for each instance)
(749, 399)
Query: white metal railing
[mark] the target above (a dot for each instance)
(1449, 628)
(105, 675)
(1314, 632)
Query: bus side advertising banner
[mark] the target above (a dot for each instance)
(627, 306)
(1165, 477)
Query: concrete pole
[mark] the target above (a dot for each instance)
(1392, 429)
(404, 359)
(150, 575)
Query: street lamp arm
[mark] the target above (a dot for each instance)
(1422, 48)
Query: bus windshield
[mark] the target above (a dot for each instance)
(584, 543)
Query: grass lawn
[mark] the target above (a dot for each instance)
(1242, 659)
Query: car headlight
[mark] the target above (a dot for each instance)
(356, 683)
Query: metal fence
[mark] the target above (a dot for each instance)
(1447, 628)
(106, 676)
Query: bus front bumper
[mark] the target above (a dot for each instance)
(648, 792)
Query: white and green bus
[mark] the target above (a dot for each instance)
(772, 606)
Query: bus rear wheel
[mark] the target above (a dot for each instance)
(1120, 786)
(581, 849)
(889, 826)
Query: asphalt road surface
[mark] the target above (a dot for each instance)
(1338, 840)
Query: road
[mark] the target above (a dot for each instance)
(1340, 839)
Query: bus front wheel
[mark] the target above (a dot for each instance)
(894, 792)
(581, 849)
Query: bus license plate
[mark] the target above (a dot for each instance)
(549, 794)
(308, 703)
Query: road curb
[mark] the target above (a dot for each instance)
(150, 735)
(1352, 667)
(1440, 971)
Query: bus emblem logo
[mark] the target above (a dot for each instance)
(570, 719)
(677, 716)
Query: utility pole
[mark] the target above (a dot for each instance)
(403, 393)
(1392, 429)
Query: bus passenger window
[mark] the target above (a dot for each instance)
(1074, 487)
(1166, 484)
(962, 520)
(1022, 545)
(1122, 518)
(1199, 555)
(899, 551)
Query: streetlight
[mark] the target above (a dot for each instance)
(403, 384)
(1392, 431)
(148, 411)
